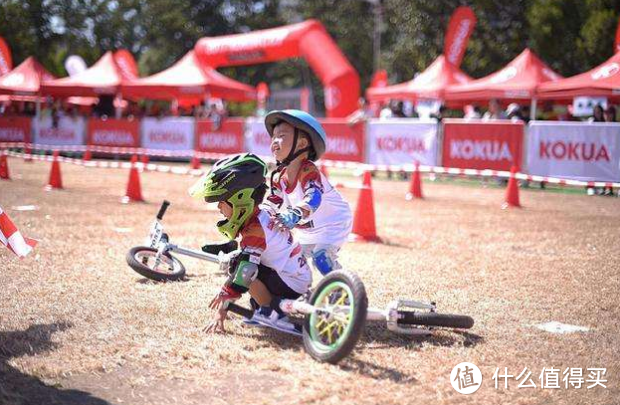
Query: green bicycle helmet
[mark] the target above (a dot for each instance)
(238, 180)
(300, 120)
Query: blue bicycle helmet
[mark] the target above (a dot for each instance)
(300, 120)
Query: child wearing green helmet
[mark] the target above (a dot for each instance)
(321, 217)
(270, 265)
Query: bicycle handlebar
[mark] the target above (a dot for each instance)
(162, 209)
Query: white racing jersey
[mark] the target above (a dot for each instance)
(276, 250)
(331, 223)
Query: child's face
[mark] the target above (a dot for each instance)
(225, 209)
(282, 141)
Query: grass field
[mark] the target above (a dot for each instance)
(78, 326)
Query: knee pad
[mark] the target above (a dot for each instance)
(245, 274)
(323, 261)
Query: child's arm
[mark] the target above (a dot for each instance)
(243, 270)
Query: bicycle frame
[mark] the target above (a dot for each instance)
(390, 314)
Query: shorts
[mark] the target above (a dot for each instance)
(275, 284)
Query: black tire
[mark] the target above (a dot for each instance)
(175, 267)
(435, 319)
(346, 342)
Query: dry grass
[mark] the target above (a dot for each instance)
(74, 315)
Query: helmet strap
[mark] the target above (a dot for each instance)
(292, 155)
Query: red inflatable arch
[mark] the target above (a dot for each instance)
(308, 40)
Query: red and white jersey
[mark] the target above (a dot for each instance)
(331, 223)
(276, 250)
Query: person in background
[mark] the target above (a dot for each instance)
(514, 113)
(361, 114)
(471, 111)
(598, 114)
(386, 112)
(440, 114)
(610, 114)
(495, 111)
(397, 110)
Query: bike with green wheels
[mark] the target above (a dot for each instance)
(334, 314)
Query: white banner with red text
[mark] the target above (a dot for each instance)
(59, 131)
(396, 142)
(168, 133)
(581, 151)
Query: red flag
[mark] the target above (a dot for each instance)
(379, 79)
(12, 238)
(126, 63)
(460, 27)
(617, 43)
(6, 62)
(262, 92)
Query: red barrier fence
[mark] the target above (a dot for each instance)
(578, 151)
(227, 137)
(112, 132)
(15, 129)
(482, 145)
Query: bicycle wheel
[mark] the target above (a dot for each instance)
(330, 335)
(435, 319)
(142, 260)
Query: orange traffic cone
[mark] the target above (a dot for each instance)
(415, 187)
(134, 192)
(27, 155)
(195, 163)
(364, 220)
(4, 166)
(144, 159)
(87, 155)
(55, 180)
(512, 191)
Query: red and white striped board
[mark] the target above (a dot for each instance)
(12, 238)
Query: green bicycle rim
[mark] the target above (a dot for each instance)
(315, 334)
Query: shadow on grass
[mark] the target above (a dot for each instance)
(21, 389)
(379, 337)
(375, 371)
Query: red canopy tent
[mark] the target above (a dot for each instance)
(104, 77)
(518, 80)
(185, 80)
(25, 79)
(430, 84)
(602, 81)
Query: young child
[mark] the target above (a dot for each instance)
(270, 265)
(321, 216)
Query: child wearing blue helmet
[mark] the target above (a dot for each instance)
(306, 199)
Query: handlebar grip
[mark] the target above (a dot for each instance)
(162, 209)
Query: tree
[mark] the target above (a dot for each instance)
(571, 35)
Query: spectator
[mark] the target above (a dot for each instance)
(440, 114)
(386, 112)
(397, 109)
(598, 115)
(514, 113)
(495, 111)
(568, 115)
(472, 111)
(610, 114)
(360, 115)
